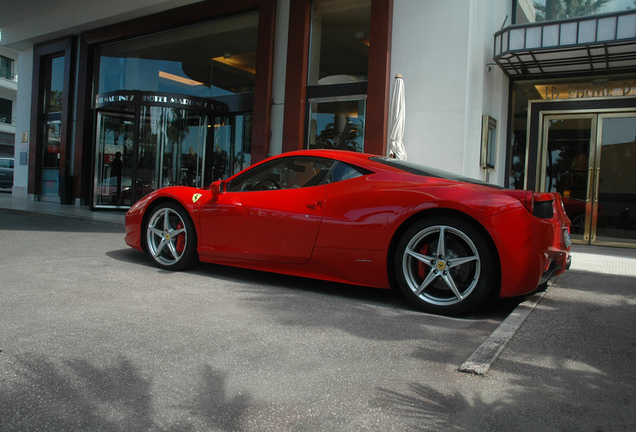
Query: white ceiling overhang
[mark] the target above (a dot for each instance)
(602, 44)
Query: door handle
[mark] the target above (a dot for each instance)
(597, 184)
(315, 205)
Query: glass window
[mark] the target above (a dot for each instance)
(6, 111)
(114, 164)
(340, 41)
(210, 59)
(51, 160)
(338, 73)
(232, 146)
(286, 173)
(6, 68)
(342, 171)
(529, 11)
(172, 147)
(54, 89)
(337, 124)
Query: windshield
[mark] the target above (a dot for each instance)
(422, 170)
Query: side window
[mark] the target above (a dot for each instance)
(342, 171)
(286, 173)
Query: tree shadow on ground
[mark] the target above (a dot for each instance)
(570, 367)
(495, 309)
(75, 395)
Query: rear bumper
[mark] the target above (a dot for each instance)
(555, 269)
(531, 250)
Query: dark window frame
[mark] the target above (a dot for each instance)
(41, 54)
(298, 92)
(174, 18)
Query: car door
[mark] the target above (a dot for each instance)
(272, 213)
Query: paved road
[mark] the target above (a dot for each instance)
(94, 337)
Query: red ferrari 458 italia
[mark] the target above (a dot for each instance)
(448, 242)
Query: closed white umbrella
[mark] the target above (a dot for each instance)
(397, 112)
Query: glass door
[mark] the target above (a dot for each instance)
(171, 148)
(590, 160)
(50, 188)
(114, 167)
(568, 158)
(614, 206)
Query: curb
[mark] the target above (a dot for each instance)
(480, 361)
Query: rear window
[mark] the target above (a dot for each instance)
(422, 170)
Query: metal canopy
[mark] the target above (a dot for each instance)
(600, 44)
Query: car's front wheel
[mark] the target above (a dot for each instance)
(444, 265)
(171, 238)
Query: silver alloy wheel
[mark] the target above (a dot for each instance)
(441, 265)
(166, 236)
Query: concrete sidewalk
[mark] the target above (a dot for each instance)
(114, 218)
(566, 364)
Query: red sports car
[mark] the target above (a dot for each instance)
(448, 242)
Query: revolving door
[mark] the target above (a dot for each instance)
(145, 142)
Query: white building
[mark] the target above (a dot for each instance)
(8, 97)
(191, 91)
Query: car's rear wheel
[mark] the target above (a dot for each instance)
(444, 265)
(171, 238)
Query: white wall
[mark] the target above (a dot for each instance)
(441, 49)
(279, 72)
(23, 116)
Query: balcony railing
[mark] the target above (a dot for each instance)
(596, 44)
(9, 77)
(6, 119)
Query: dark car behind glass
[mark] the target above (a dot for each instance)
(6, 172)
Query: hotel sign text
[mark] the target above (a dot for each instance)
(588, 90)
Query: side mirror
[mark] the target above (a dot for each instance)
(218, 187)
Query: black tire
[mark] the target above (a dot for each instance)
(449, 277)
(171, 238)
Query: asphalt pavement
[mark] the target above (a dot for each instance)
(93, 337)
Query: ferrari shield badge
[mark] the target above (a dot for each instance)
(196, 197)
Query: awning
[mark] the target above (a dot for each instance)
(599, 44)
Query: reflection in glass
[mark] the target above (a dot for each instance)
(339, 50)
(50, 160)
(548, 10)
(567, 167)
(209, 59)
(171, 148)
(6, 68)
(114, 164)
(232, 145)
(616, 220)
(54, 88)
(337, 125)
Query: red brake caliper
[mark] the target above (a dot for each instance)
(181, 239)
(423, 269)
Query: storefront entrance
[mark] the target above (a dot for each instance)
(590, 158)
(146, 141)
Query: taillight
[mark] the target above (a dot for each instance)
(543, 205)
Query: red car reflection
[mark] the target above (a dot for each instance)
(108, 189)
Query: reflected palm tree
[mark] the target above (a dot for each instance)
(560, 9)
